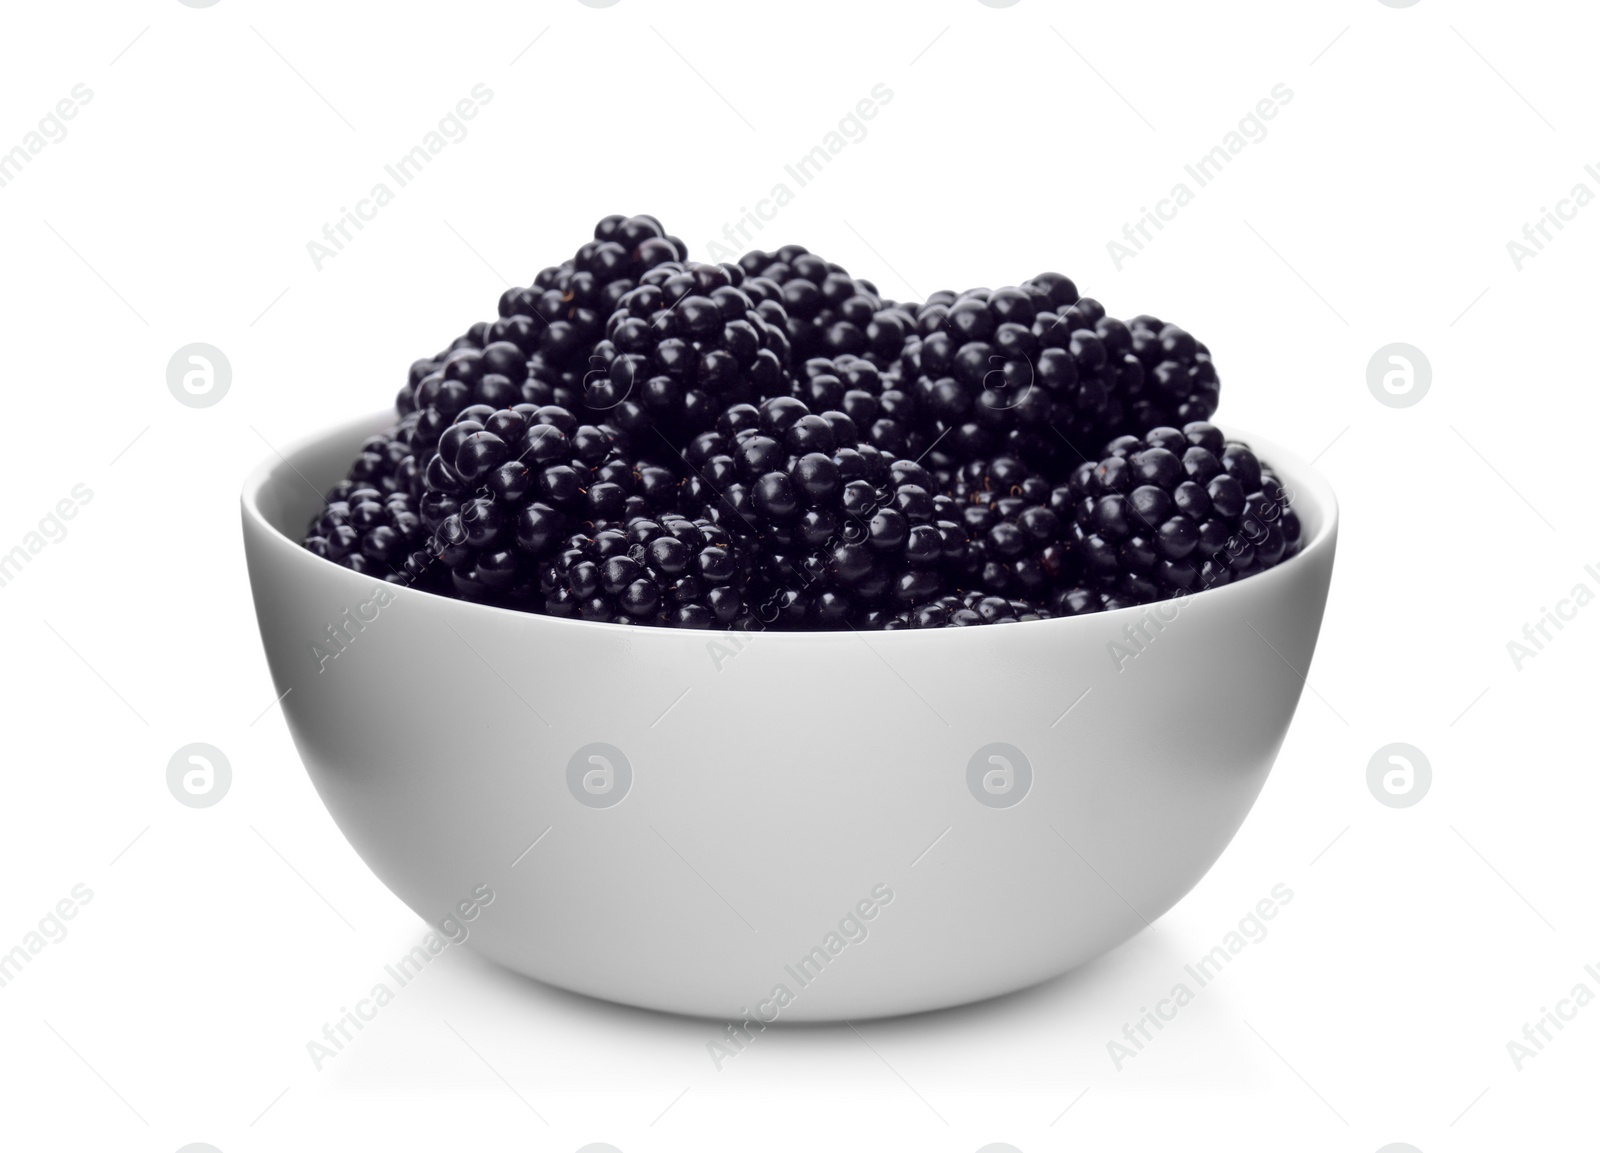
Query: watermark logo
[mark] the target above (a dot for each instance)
(739, 234)
(599, 390)
(199, 375)
(1251, 929)
(1006, 392)
(451, 129)
(51, 129)
(199, 775)
(1537, 234)
(599, 775)
(1399, 775)
(798, 976)
(1536, 635)
(451, 929)
(1140, 635)
(1544, 1029)
(997, 1146)
(722, 649)
(999, 775)
(1399, 1146)
(51, 930)
(50, 530)
(341, 633)
(1399, 375)
(199, 1146)
(1250, 129)
(599, 1146)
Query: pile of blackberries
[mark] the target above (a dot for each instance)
(639, 438)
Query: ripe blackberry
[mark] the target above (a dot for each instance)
(828, 311)
(369, 521)
(970, 608)
(539, 348)
(1179, 384)
(644, 439)
(679, 348)
(502, 489)
(841, 528)
(367, 530)
(1177, 511)
(1005, 371)
(1042, 373)
(1018, 543)
(1151, 374)
(1092, 398)
(668, 570)
(884, 413)
(380, 462)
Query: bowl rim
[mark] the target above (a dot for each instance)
(1302, 480)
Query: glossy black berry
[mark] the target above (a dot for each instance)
(638, 438)
(1188, 522)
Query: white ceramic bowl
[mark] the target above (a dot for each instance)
(874, 823)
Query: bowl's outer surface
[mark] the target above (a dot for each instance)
(779, 779)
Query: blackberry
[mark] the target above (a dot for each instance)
(380, 460)
(1018, 542)
(1007, 371)
(971, 608)
(671, 570)
(1179, 384)
(884, 413)
(1176, 511)
(829, 312)
(1152, 374)
(539, 348)
(369, 521)
(367, 530)
(503, 488)
(1092, 402)
(1042, 373)
(682, 346)
(644, 439)
(841, 528)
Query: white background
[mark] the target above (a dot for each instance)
(1377, 209)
